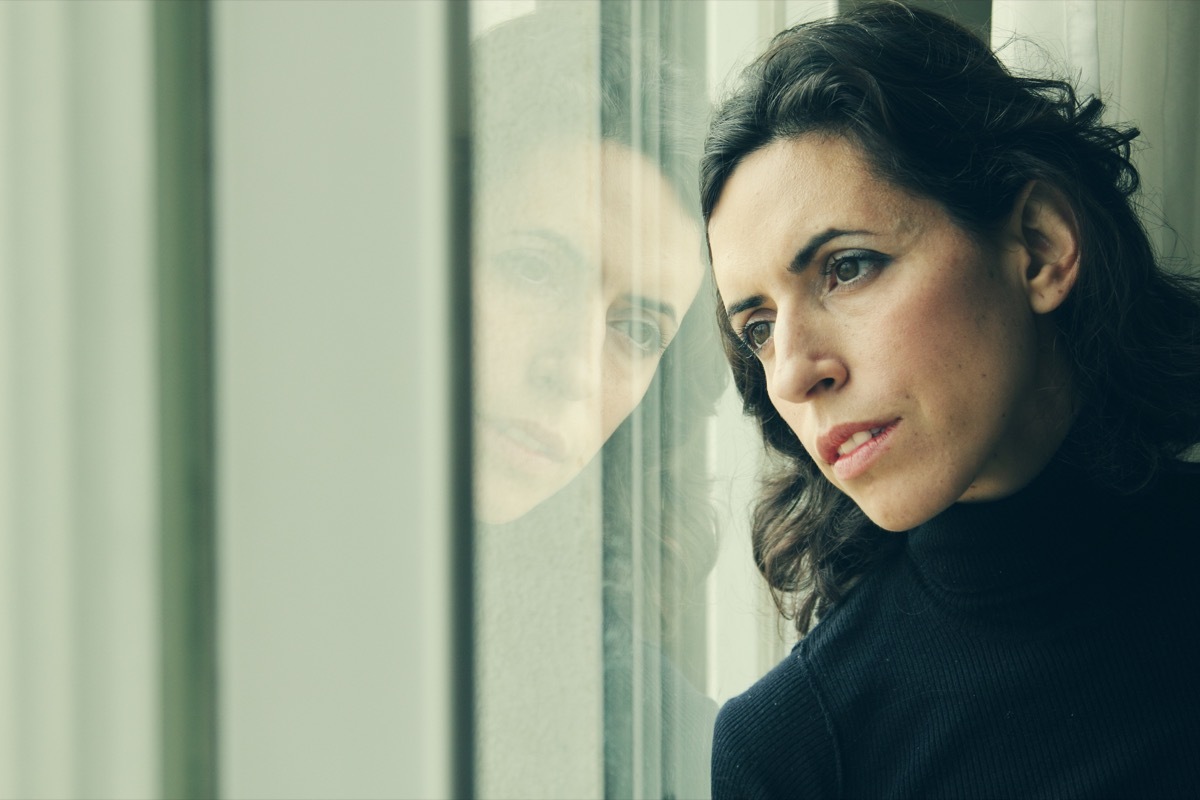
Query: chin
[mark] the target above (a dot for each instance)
(495, 506)
(899, 517)
(499, 513)
(896, 524)
(901, 503)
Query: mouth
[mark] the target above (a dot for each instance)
(851, 442)
(858, 440)
(527, 439)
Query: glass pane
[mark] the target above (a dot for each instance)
(596, 369)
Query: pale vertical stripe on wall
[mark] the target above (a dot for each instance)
(37, 524)
(78, 498)
(334, 333)
(114, 404)
(10, 733)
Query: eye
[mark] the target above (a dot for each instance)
(757, 334)
(854, 266)
(643, 334)
(530, 268)
(848, 270)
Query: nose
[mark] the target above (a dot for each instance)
(567, 364)
(806, 364)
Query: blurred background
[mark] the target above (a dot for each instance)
(363, 428)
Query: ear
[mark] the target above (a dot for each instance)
(1044, 223)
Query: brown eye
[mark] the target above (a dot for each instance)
(854, 267)
(847, 270)
(757, 334)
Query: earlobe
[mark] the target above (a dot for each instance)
(1050, 236)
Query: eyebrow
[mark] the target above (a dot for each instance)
(805, 254)
(569, 249)
(557, 241)
(640, 301)
(799, 263)
(742, 305)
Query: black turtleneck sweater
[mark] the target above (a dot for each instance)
(1046, 645)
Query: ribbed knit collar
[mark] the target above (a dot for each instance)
(1053, 529)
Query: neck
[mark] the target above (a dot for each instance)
(1038, 432)
(1037, 537)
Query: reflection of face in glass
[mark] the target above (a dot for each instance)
(586, 262)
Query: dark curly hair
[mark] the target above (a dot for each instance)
(934, 112)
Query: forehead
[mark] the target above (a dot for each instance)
(610, 206)
(781, 195)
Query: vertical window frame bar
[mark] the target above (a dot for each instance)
(187, 457)
(460, 336)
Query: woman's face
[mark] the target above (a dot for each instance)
(585, 266)
(902, 352)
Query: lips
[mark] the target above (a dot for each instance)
(530, 438)
(843, 440)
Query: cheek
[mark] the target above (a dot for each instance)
(942, 332)
(971, 358)
(507, 326)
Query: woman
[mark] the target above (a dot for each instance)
(977, 386)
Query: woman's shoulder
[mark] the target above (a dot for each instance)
(1168, 505)
(775, 739)
(1179, 478)
(1163, 528)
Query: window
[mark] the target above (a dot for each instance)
(365, 430)
(597, 377)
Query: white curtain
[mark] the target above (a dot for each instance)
(1141, 57)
